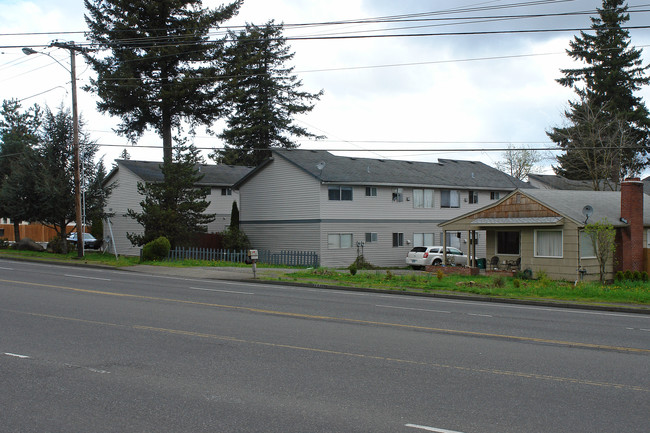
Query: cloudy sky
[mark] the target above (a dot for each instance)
(460, 89)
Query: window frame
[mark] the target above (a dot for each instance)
(495, 195)
(472, 197)
(448, 193)
(505, 253)
(537, 231)
(339, 190)
(424, 239)
(373, 237)
(398, 239)
(582, 235)
(371, 191)
(398, 195)
(226, 191)
(340, 238)
(425, 191)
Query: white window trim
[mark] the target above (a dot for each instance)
(340, 235)
(535, 243)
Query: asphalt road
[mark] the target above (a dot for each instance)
(92, 350)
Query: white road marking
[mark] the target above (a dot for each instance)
(413, 309)
(222, 291)
(15, 355)
(479, 315)
(427, 428)
(92, 370)
(7, 269)
(88, 278)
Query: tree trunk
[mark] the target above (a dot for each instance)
(16, 231)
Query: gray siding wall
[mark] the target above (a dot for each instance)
(125, 196)
(281, 192)
(284, 236)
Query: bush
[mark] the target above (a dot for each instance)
(157, 249)
(4, 244)
(499, 281)
(620, 276)
(361, 263)
(636, 276)
(644, 276)
(439, 274)
(235, 239)
(353, 269)
(516, 283)
(628, 275)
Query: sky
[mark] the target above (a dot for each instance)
(457, 90)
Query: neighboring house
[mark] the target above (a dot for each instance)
(553, 181)
(310, 200)
(125, 177)
(544, 228)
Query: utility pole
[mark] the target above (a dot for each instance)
(70, 46)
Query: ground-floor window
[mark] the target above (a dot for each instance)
(548, 243)
(398, 239)
(339, 240)
(371, 237)
(453, 239)
(422, 239)
(508, 243)
(587, 250)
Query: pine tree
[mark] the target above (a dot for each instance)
(18, 135)
(163, 65)
(174, 208)
(606, 88)
(262, 95)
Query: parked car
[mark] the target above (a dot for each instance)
(89, 240)
(420, 257)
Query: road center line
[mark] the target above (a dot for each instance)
(15, 355)
(222, 291)
(87, 278)
(433, 429)
(573, 344)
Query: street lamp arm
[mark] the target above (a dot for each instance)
(30, 51)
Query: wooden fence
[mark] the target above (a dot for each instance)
(35, 231)
(282, 258)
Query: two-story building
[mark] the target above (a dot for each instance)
(126, 175)
(340, 206)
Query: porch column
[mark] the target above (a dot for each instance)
(444, 247)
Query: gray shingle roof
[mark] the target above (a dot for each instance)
(606, 204)
(446, 173)
(214, 175)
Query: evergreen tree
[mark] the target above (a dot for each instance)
(163, 66)
(262, 95)
(174, 208)
(606, 86)
(54, 167)
(18, 134)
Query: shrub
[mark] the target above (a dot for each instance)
(389, 275)
(636, 276)
(644, 276)
(55, 245)
(628, 275)
(4, 244)
(516, 283)
(157, 249)
(235, 239)
(353, 269)
(499, 281)
(620, 276)
(439, 274)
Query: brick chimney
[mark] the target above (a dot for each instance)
(631, 245)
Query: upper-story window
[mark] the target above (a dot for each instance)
(398, 195)
(371, 191)
(226, 191)
(422, 198)
(494, 195)
(473, 197)
(449, 198)
(337, 192)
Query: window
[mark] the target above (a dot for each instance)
(339, 192)
(398, 239)
(398, 195)
(453, 239)
(420, 239)
(423, 198)
(508, 243)
(548, 243)
(449, 198)
(494, 195)
(371, 237)
(586, 246)
(473, 197)
(371, 191)
(339, 240)
(226, 191)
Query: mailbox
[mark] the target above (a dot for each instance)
(252, 254)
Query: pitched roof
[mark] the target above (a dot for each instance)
(446, 173)
(553, 181)
(214, 175)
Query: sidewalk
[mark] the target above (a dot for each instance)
(210, 272)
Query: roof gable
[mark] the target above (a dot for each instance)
(213, 175)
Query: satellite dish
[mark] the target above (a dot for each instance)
(587, 211)
(320, 165)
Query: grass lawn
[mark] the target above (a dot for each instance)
(628, 292)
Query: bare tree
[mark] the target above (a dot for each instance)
(599, 143)
(520, 163)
